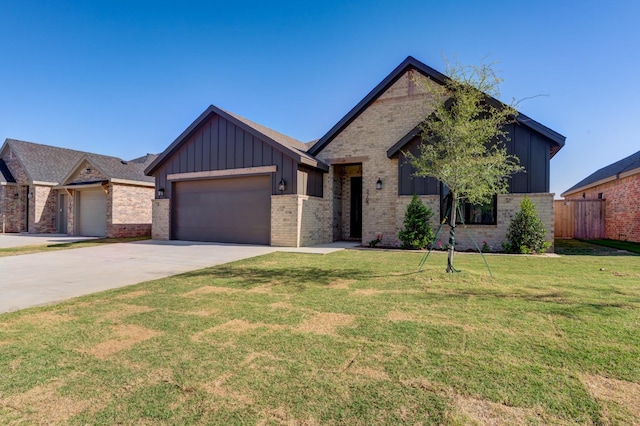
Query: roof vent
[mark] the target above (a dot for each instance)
(123, 162)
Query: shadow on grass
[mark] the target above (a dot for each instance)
(585, 248)
(246, 276)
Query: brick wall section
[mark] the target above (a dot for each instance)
(81, 174)
(313, 213)
(285, 221)
(43, 209)
(10, 208)
(161, 217)
(622, 208)
(129, 211)
(298, 221)
(15, 212)
(379, 127)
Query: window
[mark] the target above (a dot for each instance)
(473, 214)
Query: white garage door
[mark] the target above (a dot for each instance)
(92, 213)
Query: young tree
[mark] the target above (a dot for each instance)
(417, 233)
(463, 139)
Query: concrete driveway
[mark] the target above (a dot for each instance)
(41, 278)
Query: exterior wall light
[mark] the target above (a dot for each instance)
(379, 184)
(161, 193)
(282, 185)
(16, 196)
(87, 170)
(30, 195)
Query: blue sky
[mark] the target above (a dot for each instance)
(125, 78)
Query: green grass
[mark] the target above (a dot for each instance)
(355, 337)
(621, 245)
(14, 251)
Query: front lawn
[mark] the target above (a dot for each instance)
(354, 337)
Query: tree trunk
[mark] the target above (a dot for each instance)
(452, 233)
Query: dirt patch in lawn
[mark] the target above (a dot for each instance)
(623, 393)
(133, 294)
(281, 305)
(218, 389)
(370, 373)
(325, 323)
(375, 292)
(491, 413)
(42, 405)
(341, 284)
(127, 335)
(209, 289)
(266, 288)
(44, 319)
(124, 310)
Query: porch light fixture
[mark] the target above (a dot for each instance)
(30, 195)
(379, 184)
(87, 170)
(16, 196)
(161, 193)
(282, 185)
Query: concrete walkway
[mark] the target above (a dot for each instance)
(21, 240)
(41, 278)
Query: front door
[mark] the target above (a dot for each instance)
(356, 207)
(62, 214)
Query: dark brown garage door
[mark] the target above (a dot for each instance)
(234, 210)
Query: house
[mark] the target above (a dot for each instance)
(47, 189)
(228, 179)
(618, 184)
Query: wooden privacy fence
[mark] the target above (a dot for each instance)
(579, 218)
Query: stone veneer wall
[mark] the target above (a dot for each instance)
(494, 235)
(161, 219)
(622, 208)
(130, 212)
(367, 139)
(298, 220)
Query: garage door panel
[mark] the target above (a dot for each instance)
(92, 213)
(235, 210)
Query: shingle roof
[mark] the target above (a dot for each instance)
(5, 173)
(45, 163)
(612, 170)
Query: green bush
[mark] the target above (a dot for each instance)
(417, 234)
(526, 231)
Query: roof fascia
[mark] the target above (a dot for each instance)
(395, 149)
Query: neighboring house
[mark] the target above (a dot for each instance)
(618, 184)
(228, 179)
(47, 189)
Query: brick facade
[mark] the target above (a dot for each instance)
(622, 208)
(161, 218)
(296, 220)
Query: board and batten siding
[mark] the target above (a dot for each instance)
(531, 148)
(221, 145)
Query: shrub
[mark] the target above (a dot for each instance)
(417, 234)
(526, 231)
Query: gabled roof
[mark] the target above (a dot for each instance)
(115, 169)
(291, 146)
(51, 164)
(625, 167)
(411, 63)
(5, 173)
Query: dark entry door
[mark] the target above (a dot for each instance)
(62, 213)
(356, 207)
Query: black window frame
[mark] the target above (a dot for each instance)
(467, 208)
